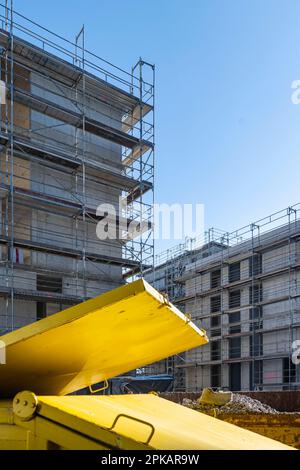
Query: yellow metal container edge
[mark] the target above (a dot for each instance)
(77, 311)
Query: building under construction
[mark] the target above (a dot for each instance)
(243, 288)
(76, 132)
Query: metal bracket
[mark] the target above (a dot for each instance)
(25, 405)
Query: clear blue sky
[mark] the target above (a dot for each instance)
(227, 133)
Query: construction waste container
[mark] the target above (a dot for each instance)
(94, 341)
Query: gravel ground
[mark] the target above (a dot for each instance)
(238, 404)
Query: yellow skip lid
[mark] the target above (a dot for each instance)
(126, 328)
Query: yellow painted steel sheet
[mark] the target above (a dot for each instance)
(118, 331)
(170, 426)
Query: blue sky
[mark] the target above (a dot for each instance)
(227, 132)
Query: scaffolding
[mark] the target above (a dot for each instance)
(76, 131)
(169, 268)
(243, 288)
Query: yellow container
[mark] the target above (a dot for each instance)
(283, 427)
(117, 422)
(124, 329)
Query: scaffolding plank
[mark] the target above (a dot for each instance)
(68, 208)
(121, 330)
(136, 153)
(70, 252)
(73, 118)
(138, 113)
(40, 151)
(120, 180)
(138, 191)
(39, 296)
(29, 149)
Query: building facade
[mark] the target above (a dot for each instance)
(76, 132)
(170, 268)
(246, 295)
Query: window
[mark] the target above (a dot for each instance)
(234, 273)
(256, 374)
(215, 350)
(256, 345)
(215, 304)
(49, 284)
(215, 278)
(234, 318)
(235, 376)
(255, 265)
(234, 299)
(288, 371)
(215, 375)
(215, 323)
(255, 294)
(256, 322)
(234, 348)
(215, 332)
(41, 310)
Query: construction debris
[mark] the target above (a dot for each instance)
(238, 404)
(214, 398)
